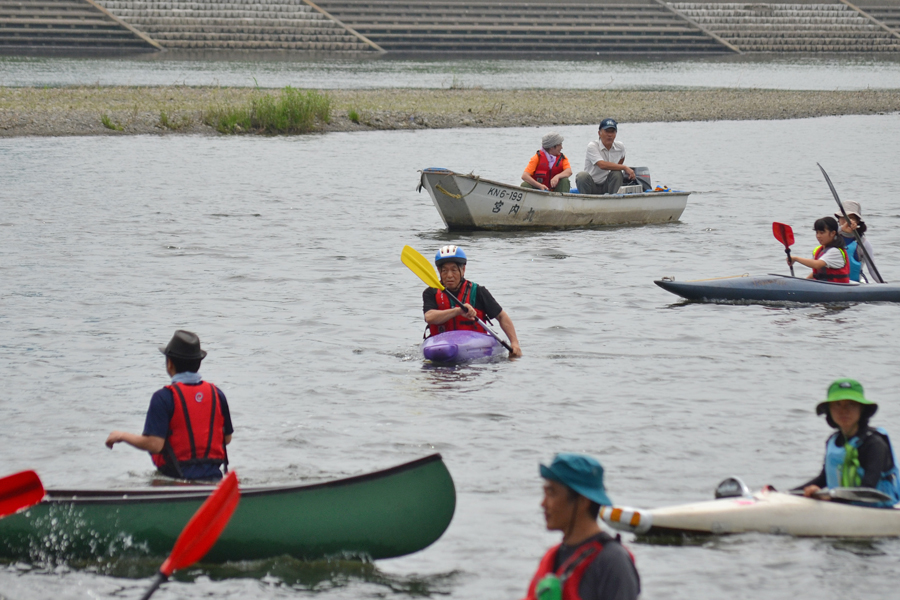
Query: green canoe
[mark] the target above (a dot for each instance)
(380, 515)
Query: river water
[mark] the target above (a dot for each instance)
(283, 254)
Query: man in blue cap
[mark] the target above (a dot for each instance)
(604, 163)
(589, 564)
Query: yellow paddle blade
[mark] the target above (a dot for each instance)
(419, 265)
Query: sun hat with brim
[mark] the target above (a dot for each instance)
(852, 207)
(184, 345)
(847, 389)
(580, 472)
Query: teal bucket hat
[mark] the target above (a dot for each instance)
(582, 473)
(847, 389)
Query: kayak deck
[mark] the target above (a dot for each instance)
(460, 346)
(779, 288)
(384, 514)
(763, 512)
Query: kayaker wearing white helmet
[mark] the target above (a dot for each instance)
(589, 564)
(443, 314)
(854, 211)
(856, 455)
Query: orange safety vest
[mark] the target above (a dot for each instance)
(841, 275)
(467, 295)
(543, 173)
(570, 572)
(196, 429)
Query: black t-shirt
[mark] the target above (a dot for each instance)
(874, 457)
(484, 301)
(611, 574)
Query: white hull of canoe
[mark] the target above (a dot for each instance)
(764, 512)
(467, 202)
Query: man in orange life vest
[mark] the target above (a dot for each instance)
(589, 564)
(442, 314)
(188, 423)
(548, 169)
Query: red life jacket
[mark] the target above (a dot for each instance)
(466, 295)
(570, 572)
(196, 429)
(841, 275)
(543, 173)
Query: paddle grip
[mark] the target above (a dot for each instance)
(787, 250)
(482, 323)
(160, 579)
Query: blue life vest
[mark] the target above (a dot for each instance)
(855, 264)
(889, 483)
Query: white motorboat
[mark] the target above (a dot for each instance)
(468, 202)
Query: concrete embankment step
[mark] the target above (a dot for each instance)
(64, 26)
(237, 24)
(536, 29)
(791, 27)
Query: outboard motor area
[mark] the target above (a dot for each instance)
(732, 487)
(642, 174)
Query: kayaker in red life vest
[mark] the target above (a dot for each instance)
(188, 423)
(589, 564)
(829, 261)
(548, 169)
(857, 454)
(442, 314)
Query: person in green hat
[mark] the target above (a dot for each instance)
(589, 564)
(856, 455)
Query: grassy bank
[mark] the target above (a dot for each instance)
(179, 109)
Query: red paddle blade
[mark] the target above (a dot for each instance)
(783, 233)
(204, 528)
(20, 491)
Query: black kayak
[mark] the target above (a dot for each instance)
(780, 288)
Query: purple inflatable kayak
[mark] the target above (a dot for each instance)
(460, 346)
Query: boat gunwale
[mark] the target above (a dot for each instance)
(477, 178)
(195, 493)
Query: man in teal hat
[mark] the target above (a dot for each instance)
(857, 455)
(589, 564)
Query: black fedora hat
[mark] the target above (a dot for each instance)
(184, 344)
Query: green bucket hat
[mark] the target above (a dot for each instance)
(847, 389)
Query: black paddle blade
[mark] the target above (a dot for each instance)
(783, 233)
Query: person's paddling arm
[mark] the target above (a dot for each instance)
(150, 443)
(619, 166)
(439, 317)
(509, 329)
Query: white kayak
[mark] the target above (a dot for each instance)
(764, 512)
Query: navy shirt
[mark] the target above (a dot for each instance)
(162, 407)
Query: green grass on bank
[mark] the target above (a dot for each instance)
(291, 111)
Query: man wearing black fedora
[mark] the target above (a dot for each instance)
(188, 423)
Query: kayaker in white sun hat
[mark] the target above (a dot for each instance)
(857, 455)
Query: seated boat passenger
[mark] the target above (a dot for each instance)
(854, 211)
(857, 455)
(604, 163)
(188, 423)
(548, 169)
(443, 314)
(829, 261)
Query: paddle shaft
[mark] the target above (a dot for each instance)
(859, 242)
(869, 495)
(157, 581)
(480, 322)
(787, 250)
